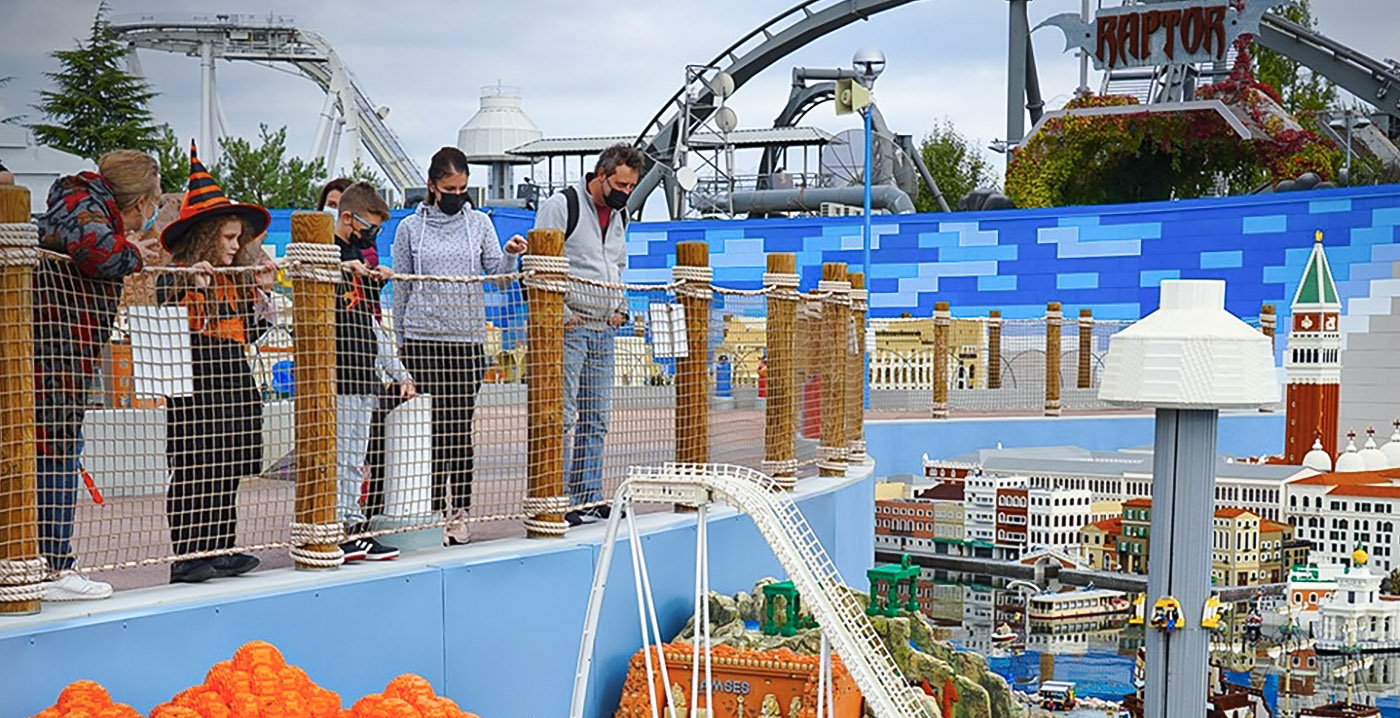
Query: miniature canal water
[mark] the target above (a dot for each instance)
(1097, 654)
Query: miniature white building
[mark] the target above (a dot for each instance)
(1357, 615)
(1056, 516)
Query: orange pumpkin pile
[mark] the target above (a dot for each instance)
(258, 683)
(86, 699)
(407, 696)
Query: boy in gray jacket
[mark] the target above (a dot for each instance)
(593, 217)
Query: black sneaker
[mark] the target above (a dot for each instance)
(196, 570)
(588, 516)
(235, 565)
(354, 550)
(376, 551)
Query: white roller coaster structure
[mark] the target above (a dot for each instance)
(267, 40)
(842, 619)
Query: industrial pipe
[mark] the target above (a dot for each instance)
(886, 197)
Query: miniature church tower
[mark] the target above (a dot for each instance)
(1313, 361)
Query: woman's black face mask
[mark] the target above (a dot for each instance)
(451, 203)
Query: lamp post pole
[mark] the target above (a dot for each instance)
(869, 171)
(1187, 360)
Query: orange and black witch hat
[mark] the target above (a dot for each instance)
(203, 200)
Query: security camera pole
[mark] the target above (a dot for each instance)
(1187, 360)
(868, 64)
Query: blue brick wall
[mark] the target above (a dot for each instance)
(1107, 258)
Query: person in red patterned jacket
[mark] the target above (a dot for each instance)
(101, 223)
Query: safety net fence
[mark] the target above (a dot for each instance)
(294, 409)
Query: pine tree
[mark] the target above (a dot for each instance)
(96, 105)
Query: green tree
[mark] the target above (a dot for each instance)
(362, 172)
(1302, 91)
(96, 105)
(957, 166)
(174, 159)
(265, 175)
(1391, 587)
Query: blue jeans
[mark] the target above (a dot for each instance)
(58, 479)
(588, 380)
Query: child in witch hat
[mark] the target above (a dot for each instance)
(214, 435)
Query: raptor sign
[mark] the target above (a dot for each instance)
(1166, 33)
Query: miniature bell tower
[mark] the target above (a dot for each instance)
(1313, 361)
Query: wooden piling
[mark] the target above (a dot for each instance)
(855, 377)
(545, 501)
(836, 317)
(1053, 319)
(994, 349)
(692, 370)
(315, 533)
(781, 405)
(1086, 349)
(942, 325)
(23, 569)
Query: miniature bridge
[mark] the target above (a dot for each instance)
(796, 547)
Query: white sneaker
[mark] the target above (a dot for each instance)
(457, 531)
(76, 587)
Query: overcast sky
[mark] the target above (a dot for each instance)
(587, 67)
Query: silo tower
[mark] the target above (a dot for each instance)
(497, 127)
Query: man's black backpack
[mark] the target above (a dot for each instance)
(571, 199)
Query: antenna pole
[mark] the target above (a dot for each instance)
(869, 111)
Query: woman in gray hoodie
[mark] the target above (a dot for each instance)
(442, 324)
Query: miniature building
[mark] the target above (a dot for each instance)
(1313, 361)
(1133, 543)
(1098, 543)
(1357, 617)
(1341, 510)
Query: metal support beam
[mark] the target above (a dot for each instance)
(1183, 480)
(1018, 40)
(209, 150)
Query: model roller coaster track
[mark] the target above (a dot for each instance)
(833, 605)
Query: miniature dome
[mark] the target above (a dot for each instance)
(1318, 460)
(1392, 448)
(1375, 459)
(498, 127)
(1350, 460)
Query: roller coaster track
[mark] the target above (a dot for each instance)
(278, 40)
(745, 58)
(797, 549)
(1369, 79)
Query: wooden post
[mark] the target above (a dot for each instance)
(545, 502)
(994, 349)
(22, 571)
(1268, 324)
(836, 317)
(1086, 349)
(855, 377)
(692, 376)
(315, 271)
(780, 429)
(1053, 319)
(942, 324)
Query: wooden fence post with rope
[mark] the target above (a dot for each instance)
(836, 317)
(855, 376)
(545, 502)
(694, 274)
(315, 271)
(782, 403)
(1053, 318)
(1085, 380)
(994, 349)
(21, 569)
(942, 325)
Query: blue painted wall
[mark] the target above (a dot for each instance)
(497, 633)
(897, 446)
(1107, 258)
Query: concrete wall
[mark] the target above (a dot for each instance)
(897, 445)
(495, 626)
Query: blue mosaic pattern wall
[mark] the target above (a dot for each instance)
(1108, 258)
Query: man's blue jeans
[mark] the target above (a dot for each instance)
(57, 480)
(588, 380)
